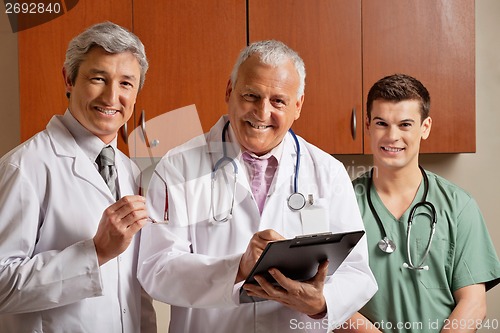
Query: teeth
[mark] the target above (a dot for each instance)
(393, 150)
(106, 112)
(257, 126)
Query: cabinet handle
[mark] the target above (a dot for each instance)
(142, 122)
(353, 123)
(124, 133)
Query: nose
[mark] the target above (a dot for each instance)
(394, 133)
(263, 110)
(110, 94)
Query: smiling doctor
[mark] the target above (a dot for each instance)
(429, 246)
(236, 188)
(69, 221)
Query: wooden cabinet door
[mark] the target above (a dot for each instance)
(191, 46)
(432, 40)
(42, 50)
(327, 35)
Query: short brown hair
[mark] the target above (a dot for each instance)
(398, 88)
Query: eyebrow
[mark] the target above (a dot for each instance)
(280, 96)
(252, 90)
(102, 72)
(97, 71)
(409, 120)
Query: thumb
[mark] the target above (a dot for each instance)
(320, 277)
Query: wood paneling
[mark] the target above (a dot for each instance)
(327, 35)
(346, 44)
(432, 40)
(192, 46)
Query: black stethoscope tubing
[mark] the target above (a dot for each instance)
(387, 245)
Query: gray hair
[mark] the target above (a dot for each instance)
(113, 39)
(272, 52)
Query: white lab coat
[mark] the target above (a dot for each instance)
(192, 264)
(51, 201)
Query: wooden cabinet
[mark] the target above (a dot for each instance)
(432, 40)
(327, 35)
(346, 44)
(191, 46)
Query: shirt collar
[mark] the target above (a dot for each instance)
(90, 144)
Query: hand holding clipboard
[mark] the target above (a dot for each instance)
(298, 258)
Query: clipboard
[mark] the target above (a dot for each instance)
(298, 258)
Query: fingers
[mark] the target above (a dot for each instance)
(269, 235)
(275, 292)
(254, 249)
(260, 239)
(118, 225)
(129, 211)
(129, 204)
(306, 297)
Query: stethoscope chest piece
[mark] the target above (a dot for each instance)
(386, 245)
(296, 201)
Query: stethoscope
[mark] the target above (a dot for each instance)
(387, 245)
(296, 201)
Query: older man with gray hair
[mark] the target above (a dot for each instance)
(229, 195)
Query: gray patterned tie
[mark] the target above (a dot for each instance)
(107, 169)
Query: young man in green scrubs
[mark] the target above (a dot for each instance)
(426, 284)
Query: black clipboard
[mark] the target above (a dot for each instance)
(298, 258)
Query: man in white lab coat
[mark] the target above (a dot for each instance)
(68, 240)
(199, 260)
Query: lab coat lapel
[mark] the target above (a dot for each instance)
(65, 146)
(214, 149)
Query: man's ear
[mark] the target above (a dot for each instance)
(426, 128)
(229, 90)
(298, 105)
(67, 82)
(367, 125)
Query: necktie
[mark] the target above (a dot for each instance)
(107, 168)
(262, 173)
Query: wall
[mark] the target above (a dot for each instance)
(474, 172)
(9, 87)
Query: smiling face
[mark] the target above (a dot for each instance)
(395, 130)
(263, 104)
(104, 92)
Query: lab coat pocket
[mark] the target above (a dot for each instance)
(438, 261)
(314, 216)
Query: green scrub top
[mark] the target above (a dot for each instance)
(461, 254)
